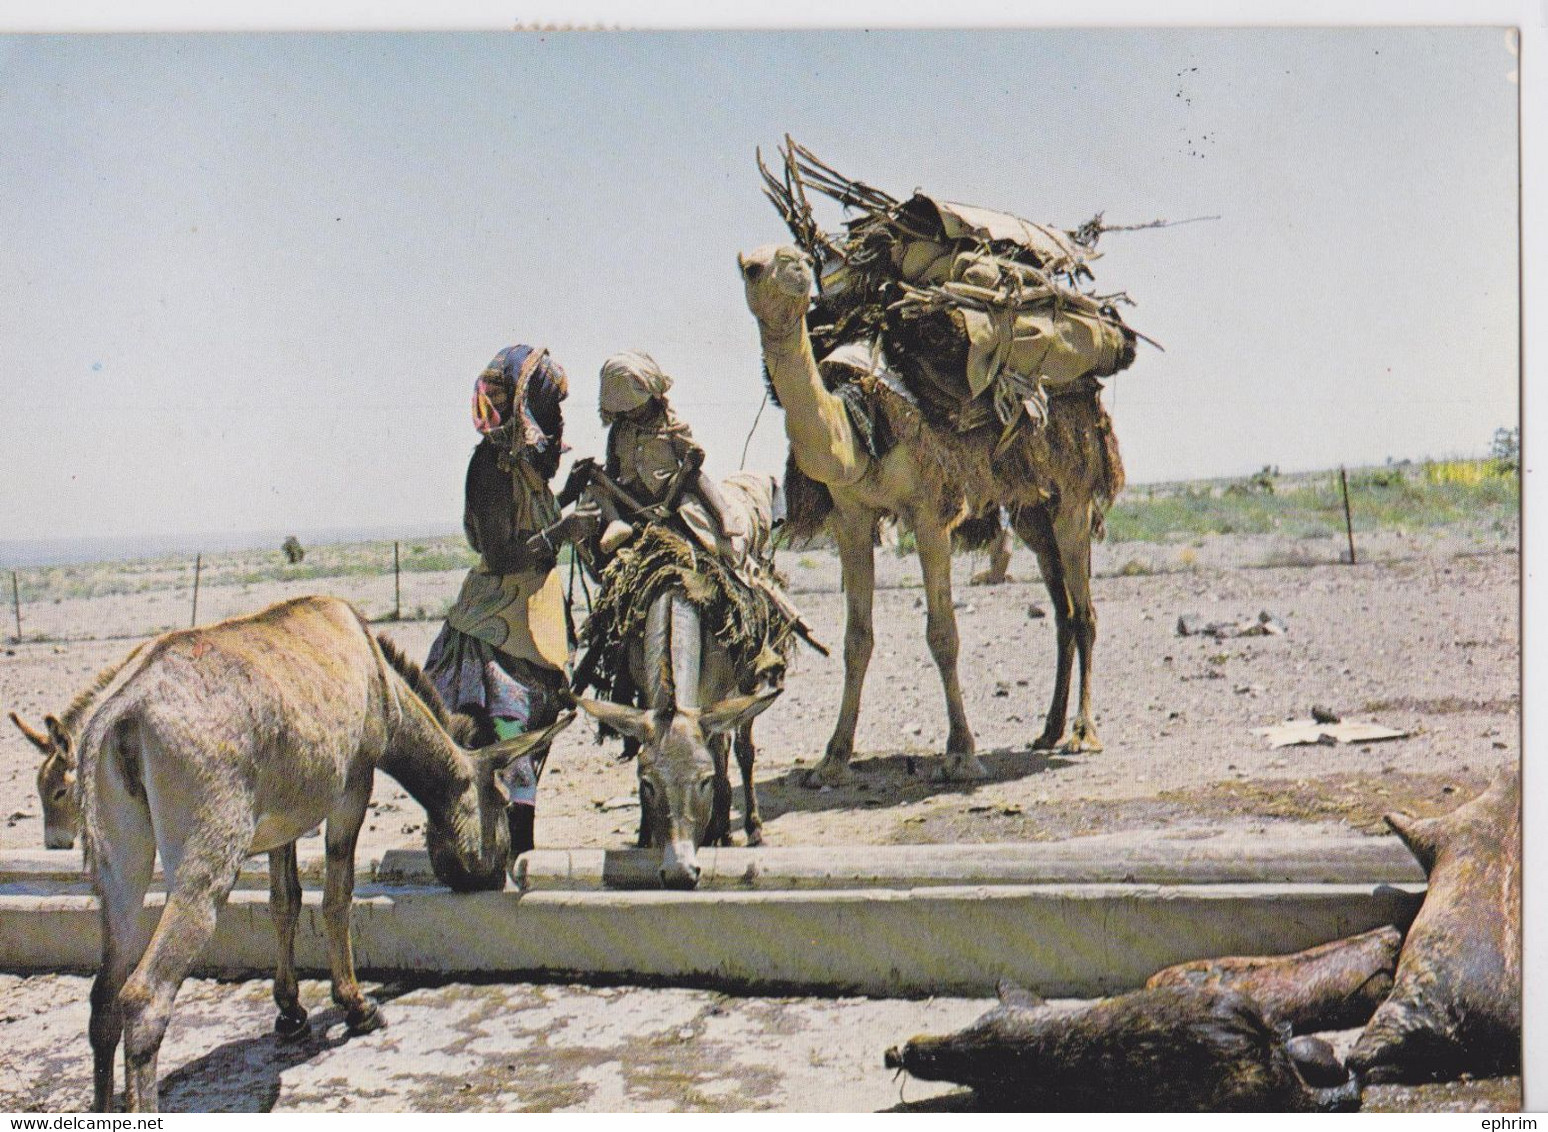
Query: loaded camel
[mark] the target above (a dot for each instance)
(238, 738)
(1062, 478)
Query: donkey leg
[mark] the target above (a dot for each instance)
(752, 820)
(202, 869)
(719, 831)
(360, 1010)
(852, 531)
(121, 872)
(285, 907)
(934, 545)
(1035, 526)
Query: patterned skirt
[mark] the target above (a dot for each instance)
(515, 695)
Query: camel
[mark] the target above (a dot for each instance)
(240, 737)
(684, 781)
(1055, 482)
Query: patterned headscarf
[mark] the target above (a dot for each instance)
(629, 380)
(511, 372)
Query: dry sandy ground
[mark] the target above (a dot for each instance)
(1426, 639)
(519, 1047)
(1423, 638)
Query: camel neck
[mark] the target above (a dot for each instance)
(817, 423)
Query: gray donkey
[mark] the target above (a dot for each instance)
(238, 738)
(683, 761)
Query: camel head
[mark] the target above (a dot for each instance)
(470, 841)
(779, 286)
(678, 775)
(56, 782)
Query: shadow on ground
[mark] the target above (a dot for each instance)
(245, 1075)
(894, 780)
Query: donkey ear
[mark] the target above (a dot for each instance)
(58, 736)
(732, 713)
(633, 722)
(507, 751)
(37, 738)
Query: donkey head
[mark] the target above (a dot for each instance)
(56, 782)
(679, 774)
(470, 842)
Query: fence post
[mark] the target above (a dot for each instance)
(16, 604)
(198, 566)
(1348, 522)
(397, 591)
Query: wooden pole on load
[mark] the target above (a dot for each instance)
(397, 592)
(1348, 522)
(198, 566)
(16, 604)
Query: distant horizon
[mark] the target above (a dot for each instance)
(30, 553)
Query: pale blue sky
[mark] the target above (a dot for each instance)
(249, 279)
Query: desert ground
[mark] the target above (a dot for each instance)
(1422, 635)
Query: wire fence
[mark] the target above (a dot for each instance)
(388, 581)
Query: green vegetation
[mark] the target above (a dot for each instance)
(1404, 497)
(240, 568)
(1408, 497)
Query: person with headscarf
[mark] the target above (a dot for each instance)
(652, 456)
(502, 655)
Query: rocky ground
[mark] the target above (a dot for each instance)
(1422, 636)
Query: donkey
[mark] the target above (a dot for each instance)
(238, 738)
(56, 773)
(682, 761)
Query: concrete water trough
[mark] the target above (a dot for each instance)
(1080, 917)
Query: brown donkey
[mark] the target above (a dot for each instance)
(238, 738)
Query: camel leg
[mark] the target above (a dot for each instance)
(360, 1010)
(285, 907)
(752, 820)
(1062, 544)
(1035, 526)
(934, 545)
(1072, 529)
(202, 869)
(852, 530)
(121, 870)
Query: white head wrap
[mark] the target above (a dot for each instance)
(629, 380)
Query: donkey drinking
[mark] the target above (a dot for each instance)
(685, 789)
(238, 738)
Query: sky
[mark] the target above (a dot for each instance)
(248, 280)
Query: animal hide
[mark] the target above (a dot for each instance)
(1456, 1005)
(1331, 987)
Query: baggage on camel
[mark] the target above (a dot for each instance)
(998, 307)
